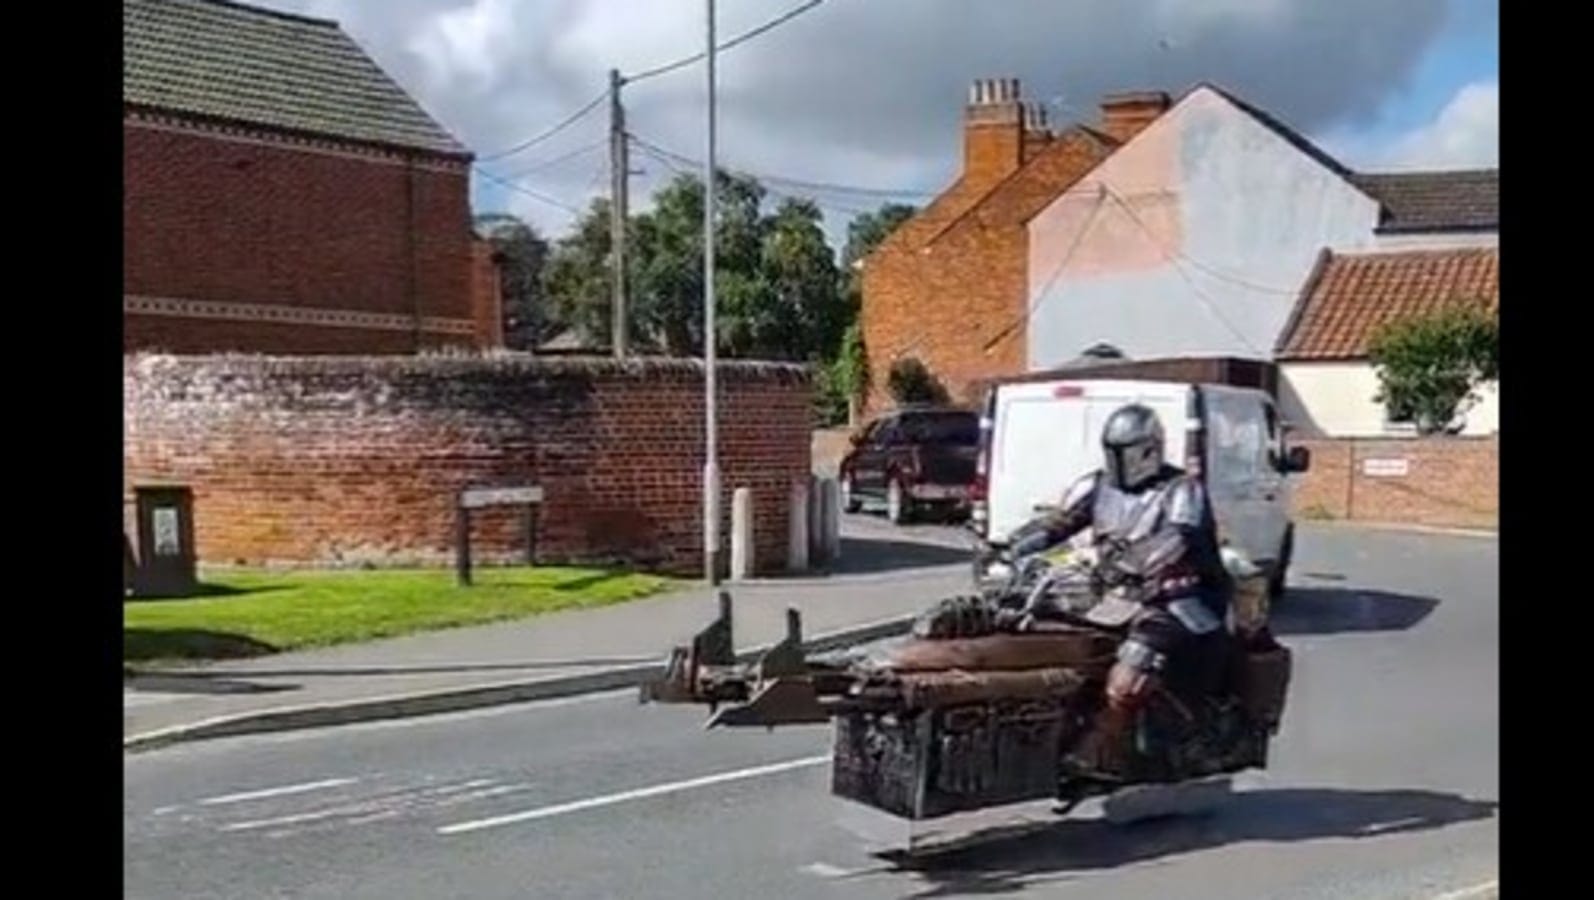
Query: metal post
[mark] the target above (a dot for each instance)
(711, 475)
(619, 166)
(462, 543)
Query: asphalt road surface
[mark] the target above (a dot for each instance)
(1383, 785)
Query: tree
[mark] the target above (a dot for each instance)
(1430, 367)
(527, 321)
(869, 230)
(576, 277)
(910, 381)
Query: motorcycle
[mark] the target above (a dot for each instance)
(987, 701)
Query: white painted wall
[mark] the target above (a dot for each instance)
(1228, 219)
(1335, 399)
(1436, 240)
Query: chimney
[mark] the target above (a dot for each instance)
(1037, 134)
(1123, 115)
(993, 130)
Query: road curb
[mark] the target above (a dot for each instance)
(399, 706)
(1352, 525)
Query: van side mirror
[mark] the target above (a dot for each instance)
(1298, 459)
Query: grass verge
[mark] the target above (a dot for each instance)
(250, 612)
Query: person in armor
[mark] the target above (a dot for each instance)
(1156, 540)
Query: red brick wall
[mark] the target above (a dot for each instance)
(487, 295)
(253, 220)
(945, 300)
(1449, 482)
(348, 460)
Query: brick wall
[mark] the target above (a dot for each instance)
(1448, 482)
(487, 295)
(245, 219)
(345, 460)
(943, 293)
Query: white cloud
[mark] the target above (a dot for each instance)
(466, 48)
(1466, 133)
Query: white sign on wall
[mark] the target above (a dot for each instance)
(1386, 468)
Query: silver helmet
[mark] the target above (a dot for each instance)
(1132, 441)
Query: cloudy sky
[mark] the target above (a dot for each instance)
(864, 96)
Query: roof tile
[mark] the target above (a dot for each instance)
(229, 61)
(1350, 296)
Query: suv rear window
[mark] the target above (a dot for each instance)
(941, 428)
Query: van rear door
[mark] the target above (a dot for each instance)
(1046, 435)
(1247, 490)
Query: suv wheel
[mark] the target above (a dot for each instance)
(849, 496)
(899, 507)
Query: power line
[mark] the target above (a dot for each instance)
(527, 191)
(548, 164)
(543, 136)
(719, 48)
(1051, 278)
(1196, 263)
(826, 187)
(678, 166)
(1172, 257)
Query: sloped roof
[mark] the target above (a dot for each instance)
(1462, 200)
(240, 63)
(1349, 296)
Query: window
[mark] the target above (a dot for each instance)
(962, 429)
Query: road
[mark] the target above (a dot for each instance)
(1383, 785)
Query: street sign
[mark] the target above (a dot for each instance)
(477, 498)
(1386, 468)
(529, 496)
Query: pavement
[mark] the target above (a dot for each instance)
(884, 576)
(1383, 783)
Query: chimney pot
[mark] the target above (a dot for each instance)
(1125, 114)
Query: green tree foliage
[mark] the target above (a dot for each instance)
(1430, 367)
(524, 255)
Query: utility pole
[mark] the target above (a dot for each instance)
(619, 170)
(711, 474)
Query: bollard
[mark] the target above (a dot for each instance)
(816, 552)
(741, 534)
(797, 528)
(829, 520)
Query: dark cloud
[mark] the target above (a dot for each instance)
(868, 92)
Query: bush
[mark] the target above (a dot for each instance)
(1429, 367)
(910, 381)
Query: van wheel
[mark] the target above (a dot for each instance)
(1276, 583)
(849, 496)
(899, 508)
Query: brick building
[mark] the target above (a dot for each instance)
(283, 195)
(949, 287)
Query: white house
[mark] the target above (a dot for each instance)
(1195, 236)
(1327, 386)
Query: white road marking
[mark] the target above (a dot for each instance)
(826, 870)
(400, 801)
(637, 794)
(1476, 892)
(283, 791)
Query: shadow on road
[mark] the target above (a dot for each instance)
(199, 684)
(189, 643)
(1285, 815)
(1311, 610)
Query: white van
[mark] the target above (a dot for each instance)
(1038, 437)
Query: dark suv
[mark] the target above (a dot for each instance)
(913, 459)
